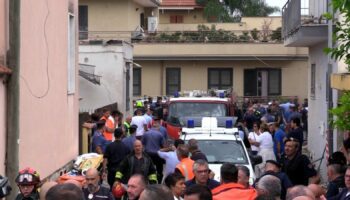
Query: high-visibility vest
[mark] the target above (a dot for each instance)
(109, 124)
(229, 191)
(127, 131)
(185, 167)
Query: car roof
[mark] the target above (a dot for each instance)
(199, 136)
(204, 99)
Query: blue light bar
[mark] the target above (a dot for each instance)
(229, 124)
(190, 123)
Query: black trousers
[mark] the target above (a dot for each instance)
(158, 162)
(111, 177)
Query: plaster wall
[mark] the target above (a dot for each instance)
(48, 114)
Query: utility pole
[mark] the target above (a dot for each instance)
(12, 138)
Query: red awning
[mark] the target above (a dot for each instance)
(179, 3)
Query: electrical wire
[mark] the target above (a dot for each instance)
(47, 60)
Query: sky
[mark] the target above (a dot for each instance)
(278, 3)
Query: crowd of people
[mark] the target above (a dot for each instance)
(142, 163)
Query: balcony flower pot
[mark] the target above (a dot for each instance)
(341, 81)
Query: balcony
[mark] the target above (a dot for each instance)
(304, 26)
(203, 44)
(204, 34)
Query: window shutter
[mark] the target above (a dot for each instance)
(173, 19)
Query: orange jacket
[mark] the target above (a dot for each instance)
(109, 124)
(185, 167)
(233, 191)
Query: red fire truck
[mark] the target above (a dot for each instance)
(181, 108)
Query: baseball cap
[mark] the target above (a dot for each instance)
(277, 164)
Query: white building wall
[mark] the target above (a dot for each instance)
(318, 106)
(111, 65)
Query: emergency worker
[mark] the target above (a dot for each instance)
(229, 188)
(127, 125)
(109, 124)
(185, 167)
(28, 181)
(137, 162)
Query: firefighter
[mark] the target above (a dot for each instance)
(28, 181)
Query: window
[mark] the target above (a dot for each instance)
(274, 82)
(176, 19)
(136, 82)
(173, 80)
(219, 78)
(83, 22)
(221, 151)
(71, 55)
(313, 81)
(262, 82)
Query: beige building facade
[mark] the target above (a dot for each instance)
(177, 57)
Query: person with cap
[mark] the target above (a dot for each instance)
(114, 154)
(335, 172)
(28, 181)
(141, 123)
(153, 141)
(296, 165)
(129, 141)
(273, 168)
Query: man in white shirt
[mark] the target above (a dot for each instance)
(140, 122)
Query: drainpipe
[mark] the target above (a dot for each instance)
(12, 145)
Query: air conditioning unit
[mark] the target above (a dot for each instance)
(152, 24)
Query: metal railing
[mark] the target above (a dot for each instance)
(291, 17)
(205, 36)
(296, 13)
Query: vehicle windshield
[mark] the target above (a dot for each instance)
(221, 151)
(178, 110)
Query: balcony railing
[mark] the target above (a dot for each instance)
(204, 36)
(297, 13)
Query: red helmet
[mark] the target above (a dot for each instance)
(28, 176)
(118, 191)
